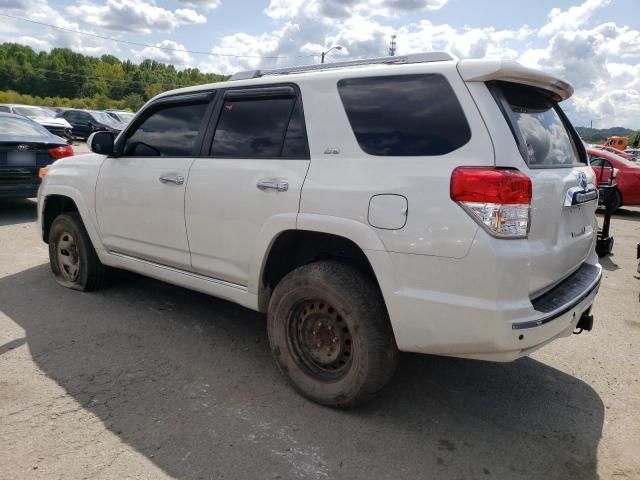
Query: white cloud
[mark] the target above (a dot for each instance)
(347, 8)
(133, 15)
(178, 58)
(571, 18)
(210, 4)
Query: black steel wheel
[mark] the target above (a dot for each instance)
(321, 339)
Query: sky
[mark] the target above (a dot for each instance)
(594, 44)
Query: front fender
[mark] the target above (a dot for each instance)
(86, 211)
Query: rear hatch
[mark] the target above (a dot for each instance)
(562, 228)
(541, 143)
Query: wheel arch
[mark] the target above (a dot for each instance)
(293, 248)
(61, 199)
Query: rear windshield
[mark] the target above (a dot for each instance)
(18, 127)
(538, 125)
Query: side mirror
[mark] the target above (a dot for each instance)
(101, 142)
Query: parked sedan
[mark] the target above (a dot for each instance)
(44, 116)
(627, 176)
(25, 148)
(615, 151)
(121, 115)
(85, 122)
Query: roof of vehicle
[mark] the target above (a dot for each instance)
(470, 70)
(20, 105)
(612, 156)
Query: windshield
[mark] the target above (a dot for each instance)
(126, 117)
(18, 127)
(31, 112)
(544, 137)
(105, 118)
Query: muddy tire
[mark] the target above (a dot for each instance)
(73, 259)
(330, 334)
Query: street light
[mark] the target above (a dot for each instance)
(336, 47)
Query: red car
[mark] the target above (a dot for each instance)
(627, 176)
(614, 150)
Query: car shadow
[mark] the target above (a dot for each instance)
(188, 381)
(13, 212)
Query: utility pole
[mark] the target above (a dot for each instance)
(392, 46)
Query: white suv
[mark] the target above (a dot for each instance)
(415, 203)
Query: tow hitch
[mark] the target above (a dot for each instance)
(585, 323)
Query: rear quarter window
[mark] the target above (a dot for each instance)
(404, 115)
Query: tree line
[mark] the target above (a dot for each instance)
(65, 78)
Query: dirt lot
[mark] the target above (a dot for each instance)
(146, 380)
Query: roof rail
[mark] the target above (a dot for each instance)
(402, 59)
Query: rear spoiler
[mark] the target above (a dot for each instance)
(508, 71)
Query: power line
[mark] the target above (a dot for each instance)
(139, 44)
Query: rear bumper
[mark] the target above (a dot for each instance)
(453, 317)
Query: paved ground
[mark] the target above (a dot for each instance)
(146, 380)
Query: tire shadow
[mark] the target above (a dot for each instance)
(188, 381)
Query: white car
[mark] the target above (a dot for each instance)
(43, 116)
(415, 203)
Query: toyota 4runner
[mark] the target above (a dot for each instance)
(415, 203)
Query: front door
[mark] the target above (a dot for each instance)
(251, 176)
(140, 192)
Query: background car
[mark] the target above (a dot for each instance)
(25, 148)
(121, 115)
(44, 116)
(85, 122)
(627, 176)
(633, 151)
(615, 151)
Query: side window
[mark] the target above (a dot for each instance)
(255, 127)
(404, 115)
(596, 162)
(169, 131)
(4, 108)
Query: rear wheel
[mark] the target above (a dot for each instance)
(616, 200)
(330, 334)
(73, 260)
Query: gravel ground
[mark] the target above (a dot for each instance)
(147, 380)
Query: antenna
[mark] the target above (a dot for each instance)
(392, 46)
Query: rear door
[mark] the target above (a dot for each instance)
(248, 179)
(548, 150)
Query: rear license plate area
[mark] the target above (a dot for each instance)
(21, 159)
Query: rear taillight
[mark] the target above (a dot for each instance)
(60, 152)
(499, 199)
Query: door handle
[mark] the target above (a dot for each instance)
(176, 179)
(279, 184)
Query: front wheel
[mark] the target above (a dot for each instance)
(73, 259)
(330, 334)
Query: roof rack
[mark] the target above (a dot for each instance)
(403, 59)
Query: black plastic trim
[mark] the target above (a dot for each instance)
(564, 309)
